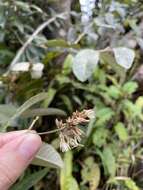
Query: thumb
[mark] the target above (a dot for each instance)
(15, 157)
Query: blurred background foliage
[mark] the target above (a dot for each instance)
(112, 156)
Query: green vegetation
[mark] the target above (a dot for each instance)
(51, 65)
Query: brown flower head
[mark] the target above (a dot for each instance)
(70, 134)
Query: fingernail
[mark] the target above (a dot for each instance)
(29, 146)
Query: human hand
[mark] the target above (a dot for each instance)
(17, 149)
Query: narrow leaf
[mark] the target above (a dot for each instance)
(42, 112)
(33, 100)
(50, 96)
(29, 181)
(60, 43)
(109, 161)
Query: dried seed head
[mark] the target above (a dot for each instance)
(90, 113)
(81, 117)
(60, 124)
(70, 134)
(64, 146)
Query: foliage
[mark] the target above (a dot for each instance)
(85, 66)
(31, 180)
(68, 182)
(90, 173)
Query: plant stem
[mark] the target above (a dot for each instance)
(33, 123)
(52, 131)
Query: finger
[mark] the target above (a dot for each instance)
(6, 137)
(15, 157)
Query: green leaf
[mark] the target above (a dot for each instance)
(114, 92)
(43, 111)
(23, 5)
(48, 157)
(38, 9)
(139, 102)
(108, 160)
(99, 136)
(90, 173)
(124, 56)
(28, 181)
(103, 115)
(3, 119)
(67, 102)
(121, 131)
(130, 109)
(6, 56)
(131, 184)
(49, 56)
(108, 58)
(3, 17)
(6, 112)
(19, 25)
(50, 96)
(67, 65)
(56, 43)
(130, 87)
(85, 63)
(67, 181)
(61, 43)
(91, 126)
(33, 100)
(7, 109)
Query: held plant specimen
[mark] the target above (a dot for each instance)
(70, 136)
(69, 132)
